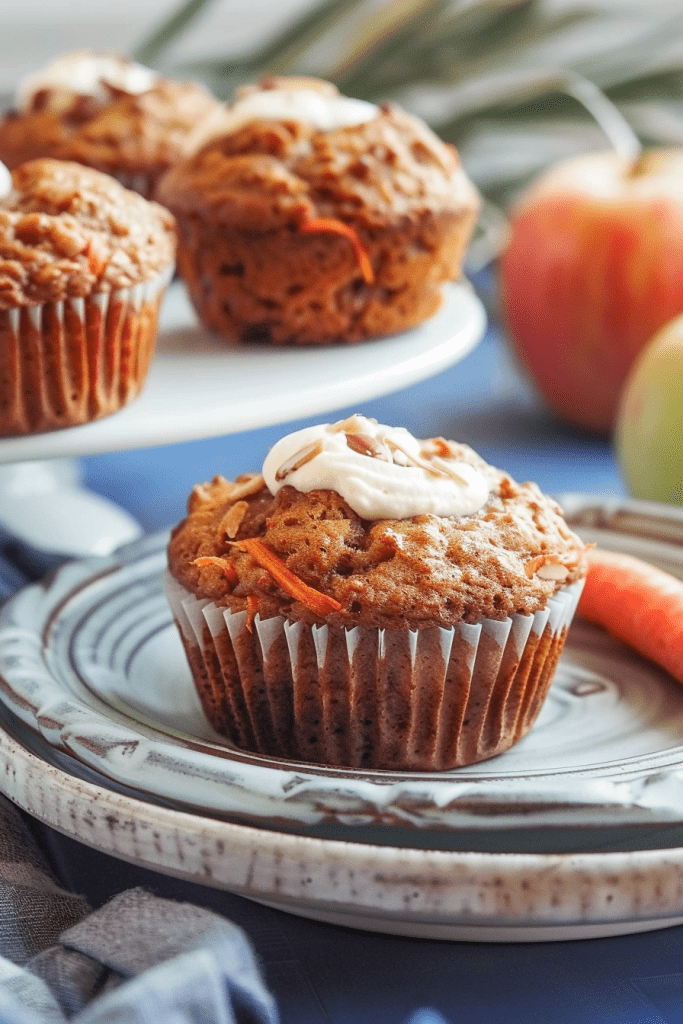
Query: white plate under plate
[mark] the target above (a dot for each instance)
(200, 386)
(90, 666)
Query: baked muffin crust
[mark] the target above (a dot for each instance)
(424, 571)
(131, 136)
(366, 174)
(67, 230)
(245, 203)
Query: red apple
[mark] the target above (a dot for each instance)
(593, 268)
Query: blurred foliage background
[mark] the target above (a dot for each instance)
(488, 75)
(514, 84)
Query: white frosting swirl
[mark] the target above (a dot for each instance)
(322, 110)
(5, 181)
(82, 74)
(403, 478)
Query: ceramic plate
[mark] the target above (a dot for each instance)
(575, 833)
(200, 386)
(93, 668)
(476, 897)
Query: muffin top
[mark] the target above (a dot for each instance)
(67, 230)
(292, 150)
(464, 541)
(104, 111)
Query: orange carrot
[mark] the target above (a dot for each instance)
(338, 227)
(96, 256)
(252, 611)
(223, 564)
(319, 603)
(637, 603)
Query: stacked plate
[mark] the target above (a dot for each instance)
(576, 832)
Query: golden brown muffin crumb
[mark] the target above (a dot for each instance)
(67, 230)
(427, 570)
(261, 265)
(135, 138)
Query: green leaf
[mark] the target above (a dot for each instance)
(149, 51)
(280, 54)
(478, 69)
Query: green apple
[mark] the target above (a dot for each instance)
(649, 426)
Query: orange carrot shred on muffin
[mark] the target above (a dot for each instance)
(223, 564)
(638, 604)
(319, 603)
(338, 227)
(252, 611)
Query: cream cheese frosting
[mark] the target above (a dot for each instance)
(381, 472)
(321, 110)
(83, 73)
(324, 110)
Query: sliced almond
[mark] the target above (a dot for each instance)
(200, 494)
(411, 460)
(252, 485)
(448, 470)
(366, 445)
(552, 571)
(232, 520)
(354, 424)
(299, 459)
(429, 466)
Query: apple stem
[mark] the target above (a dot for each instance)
(624, 140)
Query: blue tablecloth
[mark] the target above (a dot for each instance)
(322, 974)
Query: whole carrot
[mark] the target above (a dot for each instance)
(637, 603)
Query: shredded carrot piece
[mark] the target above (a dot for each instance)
(637, 603)
(223, 564)
(96, 256)
(442, 447)
(319, 603)
(252, 611)
(338, 227)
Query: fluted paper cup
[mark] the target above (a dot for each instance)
(70, 362)
(417, 700)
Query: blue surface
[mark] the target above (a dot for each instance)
(322, 974)
(483, 400)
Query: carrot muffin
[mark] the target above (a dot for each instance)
(373, 601)
(107, 112)
(84, 264)
(307, 217)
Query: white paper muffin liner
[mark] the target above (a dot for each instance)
(69, 362)
(426, 699)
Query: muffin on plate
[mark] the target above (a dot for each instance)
(84, 264)
(306, 217)
(373, 601)
(107, 112)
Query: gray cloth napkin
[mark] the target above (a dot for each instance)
(137, 959)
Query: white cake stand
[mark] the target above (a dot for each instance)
(201, 387)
